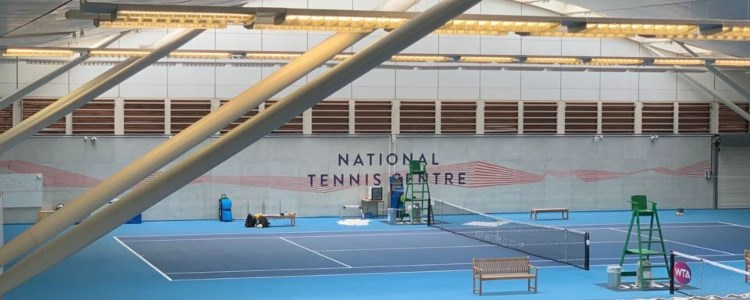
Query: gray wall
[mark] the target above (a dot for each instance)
(508, 173)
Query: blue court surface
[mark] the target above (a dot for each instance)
(189, 257)
(321, 259)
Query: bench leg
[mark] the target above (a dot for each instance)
(480, 286)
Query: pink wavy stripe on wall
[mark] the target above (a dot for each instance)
(53, 177)
(478, 174)
(289, 183)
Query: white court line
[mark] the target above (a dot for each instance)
(294, 236)
(204, 239)
(322, 275)
(404, 272)
(626, 225)
(684, 244)
(313, 251)
(276, 233)
(408, 248)
(736, 225)
(670, 227)
(143, 259)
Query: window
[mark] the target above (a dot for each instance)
(186, 112)
(6, 118)
(32, 106)
(417, 117)
(730, 121)
(618, 117)
(501, 117)
(694, 118)
(372, 116)
(458, 117)
(581, 117)
(330, 117)
(658, 117)
(540, 117)
(95, 117)
(144, 117)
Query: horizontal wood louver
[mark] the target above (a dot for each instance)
(459, 117)
(694, 118)
(580, 117)
(417, 117)
(658, 117)
(6, 118)
(501, 117)
(95, 117)
(292, 127)
(540, 117)
(239, 121)
(330, 117)
(32, 106)
(143, 117)
(186, 112)
(729, 121)
(372, 116)
(618, 118)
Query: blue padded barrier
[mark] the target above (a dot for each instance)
(225, 209)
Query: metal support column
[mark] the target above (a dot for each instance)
(236, 140)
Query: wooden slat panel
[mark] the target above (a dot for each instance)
(729, 121)
(32, 106)
(330, 117)
(658, 117)
(501, 117)
(417, 117)
(239, 121)
(540, 117)
(458, 117)
(95, 117)
(292, 127)
(372, 116)
(186, 112)
(618, 117)
(6, 118)
(694, 118)
(580, 117)
(144, 116)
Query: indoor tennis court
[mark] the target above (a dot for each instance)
(375, 149)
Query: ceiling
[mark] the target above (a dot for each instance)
(42, 22)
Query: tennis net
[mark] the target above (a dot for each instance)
(558, 244)
(699, 277)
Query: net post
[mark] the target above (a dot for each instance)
(671, 272)
(586, 251)
(429, 212)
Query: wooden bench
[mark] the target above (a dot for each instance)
(747, 264)
(503, 268)
(292, 217)
(535, 211)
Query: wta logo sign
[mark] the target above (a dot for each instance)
(682, 272)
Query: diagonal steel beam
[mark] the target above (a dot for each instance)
(196, 133)
(729, 81)
(17, 95)
(236, 140)
(91, 90)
